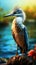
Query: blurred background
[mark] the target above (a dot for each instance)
(7, 43)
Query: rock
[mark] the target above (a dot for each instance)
(17, 60)
(3, 60)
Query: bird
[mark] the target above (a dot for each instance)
(19, 30)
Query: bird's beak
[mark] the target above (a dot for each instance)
(12, 14)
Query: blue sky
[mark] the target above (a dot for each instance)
(8, 4)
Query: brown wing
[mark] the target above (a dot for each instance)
(18, 35)
(19, 38)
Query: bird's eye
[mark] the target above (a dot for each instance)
(14, 13)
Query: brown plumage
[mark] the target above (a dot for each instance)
(18, 36)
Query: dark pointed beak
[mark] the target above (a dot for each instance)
(8, 15)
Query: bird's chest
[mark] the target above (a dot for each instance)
(17, 30)
(18, 34)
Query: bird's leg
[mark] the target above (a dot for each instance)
(22, 51)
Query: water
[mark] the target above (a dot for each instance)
(8, 46)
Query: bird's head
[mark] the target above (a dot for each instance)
(18, 12)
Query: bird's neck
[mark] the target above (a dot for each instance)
(19, 21)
